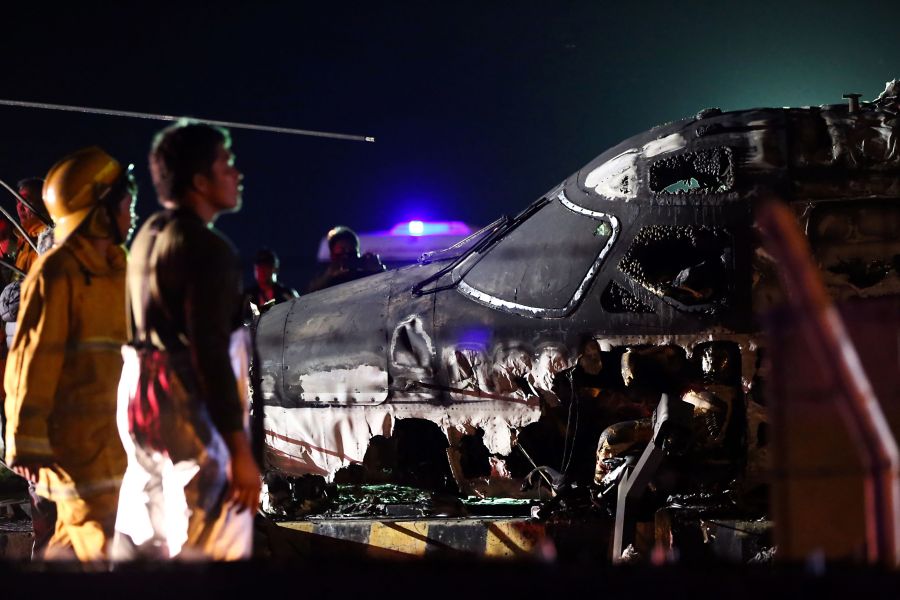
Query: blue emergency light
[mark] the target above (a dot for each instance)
(419, 228)
(405, 242)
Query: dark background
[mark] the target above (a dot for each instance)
(478, 108)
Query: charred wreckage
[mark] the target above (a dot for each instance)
(539, 348)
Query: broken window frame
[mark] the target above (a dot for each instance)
(726, 186)
(580, 291)
(720, 301)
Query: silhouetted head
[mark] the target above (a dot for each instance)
(30, 189)
(343, 245)
(265, 267)
(192, 165)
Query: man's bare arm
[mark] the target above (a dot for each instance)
(243, 474)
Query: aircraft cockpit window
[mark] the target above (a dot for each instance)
(690, 267)
(706, 171)
(544, 266)
(858, 243)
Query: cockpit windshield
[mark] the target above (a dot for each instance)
(473, 246)
(543, 266)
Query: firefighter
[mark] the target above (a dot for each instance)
(63, 368)
(192, 484)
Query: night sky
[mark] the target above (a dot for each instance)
(478, 108)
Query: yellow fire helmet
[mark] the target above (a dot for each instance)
(78, 183)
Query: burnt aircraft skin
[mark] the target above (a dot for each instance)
(652, 242)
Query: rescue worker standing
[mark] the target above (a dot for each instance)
(63, 368)
(192, 484)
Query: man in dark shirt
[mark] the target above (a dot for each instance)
(345, 262)
(191, 476)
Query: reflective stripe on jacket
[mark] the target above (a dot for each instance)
(63, 369)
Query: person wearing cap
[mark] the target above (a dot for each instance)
(266, 291)
(63, 367)
(345, 262)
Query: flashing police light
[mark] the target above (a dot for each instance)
(405, 242)
(420, 228)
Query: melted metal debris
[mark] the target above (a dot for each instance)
(15, 526)
(13, 504)
(390, 500)
(360, 501)
(765, 556)
(12, 487)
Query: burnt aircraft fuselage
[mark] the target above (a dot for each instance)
(651, 243)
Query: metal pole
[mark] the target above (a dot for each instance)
(156, 117)
(12, 267)
(533, 464)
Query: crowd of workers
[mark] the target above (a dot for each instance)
(125, 374)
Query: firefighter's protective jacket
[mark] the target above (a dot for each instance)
(63, 369)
